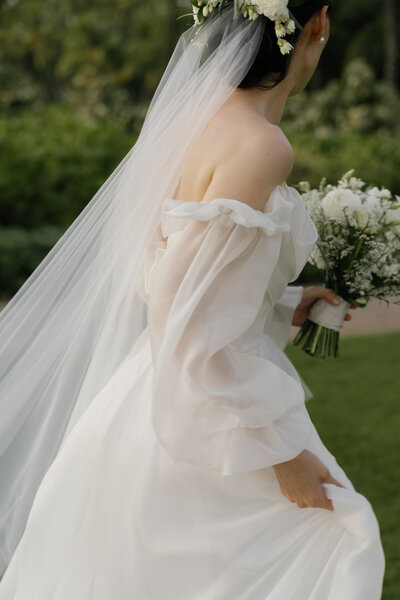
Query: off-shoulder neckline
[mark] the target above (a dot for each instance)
(247, 207)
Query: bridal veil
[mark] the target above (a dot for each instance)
(71, 324)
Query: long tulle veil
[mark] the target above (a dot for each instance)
(74, 320)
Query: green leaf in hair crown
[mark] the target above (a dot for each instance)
(277, 11)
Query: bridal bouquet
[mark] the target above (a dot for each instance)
(358, 251)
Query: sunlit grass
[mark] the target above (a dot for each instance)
(356, 410)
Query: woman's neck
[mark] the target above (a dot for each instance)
(268, 103)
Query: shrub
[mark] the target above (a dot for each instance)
(52, 163)
(20, 253)
(375, 158)
(357, 102)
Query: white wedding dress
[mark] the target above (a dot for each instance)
(164, 489)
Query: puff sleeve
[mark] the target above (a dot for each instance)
(213, 406)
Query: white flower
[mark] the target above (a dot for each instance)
(382, 194)
(392, 216)
(390, 270)
(370, 212)
(285, 47)
(280, 29)
(284, 26)
(339, 202)
(316, 258)
(251, 13)
(290, 26)
(355, 183)
(273, 9)
(365, 262)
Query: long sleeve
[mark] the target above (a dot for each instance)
(279, 325)
(216, 407)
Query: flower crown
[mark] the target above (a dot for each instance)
(277, 11)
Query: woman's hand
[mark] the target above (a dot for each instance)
(300, 480)
(310, 295)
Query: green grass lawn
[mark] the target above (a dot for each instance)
(356, 410)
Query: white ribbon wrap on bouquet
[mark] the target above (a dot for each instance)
(328, 315)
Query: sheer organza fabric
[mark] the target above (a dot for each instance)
(164, 488)
(211, 296)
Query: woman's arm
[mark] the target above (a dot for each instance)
(267, 160)
(214, 407)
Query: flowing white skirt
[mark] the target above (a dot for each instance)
(116, 519)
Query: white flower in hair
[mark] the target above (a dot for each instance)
(284, 46)
(272, 9)
(290, 26)
(277, 11)
(280, 29)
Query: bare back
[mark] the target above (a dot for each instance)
(229, 133)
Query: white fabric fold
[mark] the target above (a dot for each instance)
(278, 327)
(215, 406)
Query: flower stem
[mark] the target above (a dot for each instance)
(317, 340)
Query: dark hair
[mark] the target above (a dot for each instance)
(269, 60)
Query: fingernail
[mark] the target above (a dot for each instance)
(336, 300)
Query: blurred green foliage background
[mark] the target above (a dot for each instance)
(76, 79)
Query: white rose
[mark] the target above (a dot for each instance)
(339, 202)
(273, 9)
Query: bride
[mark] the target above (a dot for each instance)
(154, 440)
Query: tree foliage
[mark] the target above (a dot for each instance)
(356, 102)
(105, 57)
(52, 163)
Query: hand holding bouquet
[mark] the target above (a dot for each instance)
(358, 252)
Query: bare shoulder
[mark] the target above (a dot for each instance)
(272, 144)
(259, 159)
